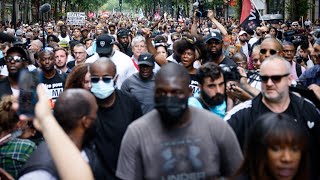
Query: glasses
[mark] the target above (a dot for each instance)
(265, 32)
(14, 58)
(271, 51)
(106, 79)
(274, 79)
(216, 42)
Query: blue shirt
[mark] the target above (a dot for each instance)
(219, 110)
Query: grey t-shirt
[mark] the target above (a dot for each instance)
(143, 90)
(204, 148)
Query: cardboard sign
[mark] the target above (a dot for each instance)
(76, 18)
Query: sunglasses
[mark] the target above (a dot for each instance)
(106, 79)
(271, 51)
(8, 59)
(274, 79)
(265, 32)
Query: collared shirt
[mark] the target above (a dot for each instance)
(14, 154)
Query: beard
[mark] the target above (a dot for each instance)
(216, 55)
(212, 101)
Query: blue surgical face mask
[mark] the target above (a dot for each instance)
(102, 90)
(1, 54)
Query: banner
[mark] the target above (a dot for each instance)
(76, 18)
(249, 18)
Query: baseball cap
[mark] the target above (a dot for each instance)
(19, 32)
(105, 44)
(213, 35)
(242, 32)
(123, 32)
(295, 23)
(147, 59)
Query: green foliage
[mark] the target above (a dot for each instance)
(297, 9)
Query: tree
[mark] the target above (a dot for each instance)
(297, 9)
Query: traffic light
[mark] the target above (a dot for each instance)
(120, 2)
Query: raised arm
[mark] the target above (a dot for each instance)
(64, 152)
(216, 22)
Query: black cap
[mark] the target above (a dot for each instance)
(105, 44)
(213, 35)
(147, 59)
(122, 32)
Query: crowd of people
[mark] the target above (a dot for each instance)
(143, 98)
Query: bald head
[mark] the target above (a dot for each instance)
(69, 110)
(173, 70)
(277, 60)
(104, 65)
(276, 44)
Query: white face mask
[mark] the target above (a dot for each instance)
(102, 90)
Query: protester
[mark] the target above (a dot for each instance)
(80, 55)
(52, 78)
(166, 142)
(276, 97)
(61, 55)
(79, 77)
(141, 84)
(276, 148)
(14, 151)
(16, 60)
(116, 111)
(66, 156)
(124, 64)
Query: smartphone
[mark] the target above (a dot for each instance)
(28, 82)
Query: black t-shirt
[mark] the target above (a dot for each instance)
(55, 85)
(71, 64)
(112, 122)
(228, 61)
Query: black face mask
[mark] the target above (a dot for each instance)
(212, 101)
(171, 109)
(90, 133)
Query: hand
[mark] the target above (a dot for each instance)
(316, 89)
(42, 109)
(210, 14)
(243, 78)
(146, 32)
(237, 92)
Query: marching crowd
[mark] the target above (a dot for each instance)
(142, 98)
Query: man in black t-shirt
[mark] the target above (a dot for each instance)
(213, 50)
(116, 111)
(53, 79)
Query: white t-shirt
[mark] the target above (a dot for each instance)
(124, 65)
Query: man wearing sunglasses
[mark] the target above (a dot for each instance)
(264, 30)
(116, 111)
(16, 60)
(275, 97)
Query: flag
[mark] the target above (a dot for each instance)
(249, 18)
